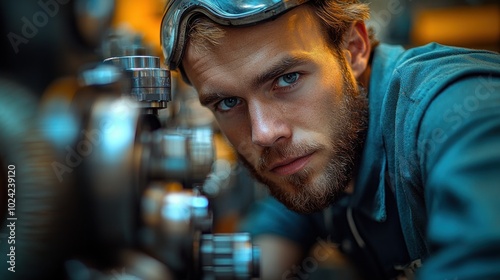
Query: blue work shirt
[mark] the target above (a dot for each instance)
(428, 187)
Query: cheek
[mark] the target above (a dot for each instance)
(317, 110)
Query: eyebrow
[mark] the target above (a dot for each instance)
(209, 98)
(278, 69)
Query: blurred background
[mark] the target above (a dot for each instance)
(465, 23)
(47, 45)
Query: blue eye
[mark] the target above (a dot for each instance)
(227, 103)
(287, 79)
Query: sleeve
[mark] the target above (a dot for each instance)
(461, 136)
(269, 216)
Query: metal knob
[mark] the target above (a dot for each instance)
(150, 84)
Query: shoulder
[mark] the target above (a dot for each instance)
(420, 75)
(424, 84)
(429, 69)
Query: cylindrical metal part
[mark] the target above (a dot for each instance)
(150, 84)
(228, 257)
(183, 155)
(135, 61)
(201, 151)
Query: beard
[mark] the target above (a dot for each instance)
(298, 191)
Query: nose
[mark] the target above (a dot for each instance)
(269, 125)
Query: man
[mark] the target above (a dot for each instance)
(400, 146)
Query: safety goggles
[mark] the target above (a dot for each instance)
(178, 14)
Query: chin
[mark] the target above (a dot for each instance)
(309, 190)
(304, 204)
(304, 194)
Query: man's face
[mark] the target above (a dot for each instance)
(287, 103)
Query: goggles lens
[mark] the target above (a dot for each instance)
(225, 12)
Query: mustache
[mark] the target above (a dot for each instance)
(280, 152)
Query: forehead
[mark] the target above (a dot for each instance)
(251, 47)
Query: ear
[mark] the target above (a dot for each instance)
(358, 48)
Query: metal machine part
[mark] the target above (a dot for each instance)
(173, 221)
(185, 155)
(228, 256)
(150, 84)
(176, 212)
(176, 217)
(101, 75)
(111, 196)
(127, 177)
(130, 264)
(113, 169)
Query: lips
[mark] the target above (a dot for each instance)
(291, 165)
